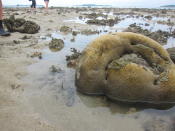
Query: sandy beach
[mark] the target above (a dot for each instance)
(33, 98)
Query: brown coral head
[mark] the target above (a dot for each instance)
(127, 67)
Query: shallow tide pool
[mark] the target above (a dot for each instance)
(54, 97)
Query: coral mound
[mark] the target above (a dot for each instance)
(21, 25)
(127, 67)
(56, 44)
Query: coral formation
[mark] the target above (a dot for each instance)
(65, 29)
(128, 67)
(21, 25)
(159, 36)
(56, 44)
(171, 51)
(72, 59)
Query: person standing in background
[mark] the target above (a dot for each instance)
(33, 6)
(46, 3)
(2, 31)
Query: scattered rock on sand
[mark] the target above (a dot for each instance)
(21, 25)
(37, 54)
(159, 36)
(148, 17)
(72, 60)
(16, 41)
(55, 69)
(25, 37)
(171, 52)
(65, 29)
(109, 22)
(74, 33)
(95, 15)
(89, 32)
(158, 124)
(56, 44)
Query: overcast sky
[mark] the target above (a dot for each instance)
(118, 3)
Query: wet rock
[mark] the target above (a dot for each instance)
(74, 33)
(72, 40)
(127, 67)
(16, 41)
(89, 32)
(25, 37)
(159, 36)
(80, 17)
(131, 110)
(148, 17)
(158, 124)
(163, 11)
(37, 54)
(55, 69)
(56, 44)
(146, 24)
(109, 22)
(15, 86)
(96, 22)
(171, 52)
(21, 25)
(72, 60)
(65, 29)
(95, 15)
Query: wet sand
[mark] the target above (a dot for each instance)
(32, 98)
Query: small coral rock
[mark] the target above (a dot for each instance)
(56, 44)
(171, 51)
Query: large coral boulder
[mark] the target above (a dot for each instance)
(127, 67)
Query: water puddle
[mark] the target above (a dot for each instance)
(170, 43)
(127, 20)
(53, 94)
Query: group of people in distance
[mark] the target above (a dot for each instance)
(33, 6)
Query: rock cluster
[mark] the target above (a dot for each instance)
(159, 36)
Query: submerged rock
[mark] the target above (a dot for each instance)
(127, 67)
(72, 60)
(171, 52)
(89, 32)
(37, 54)
(21, 25)
(95, 15)
(56, 44)
(159, 36)
(65, 29)
(55, 69)
(109, 22)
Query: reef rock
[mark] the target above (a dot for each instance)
(72, 59)
(159, 36)
(21, 25)
(56, 44)
(65, 29)
(127, 67)
(171, 51)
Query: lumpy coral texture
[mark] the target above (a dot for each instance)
(127, 67)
